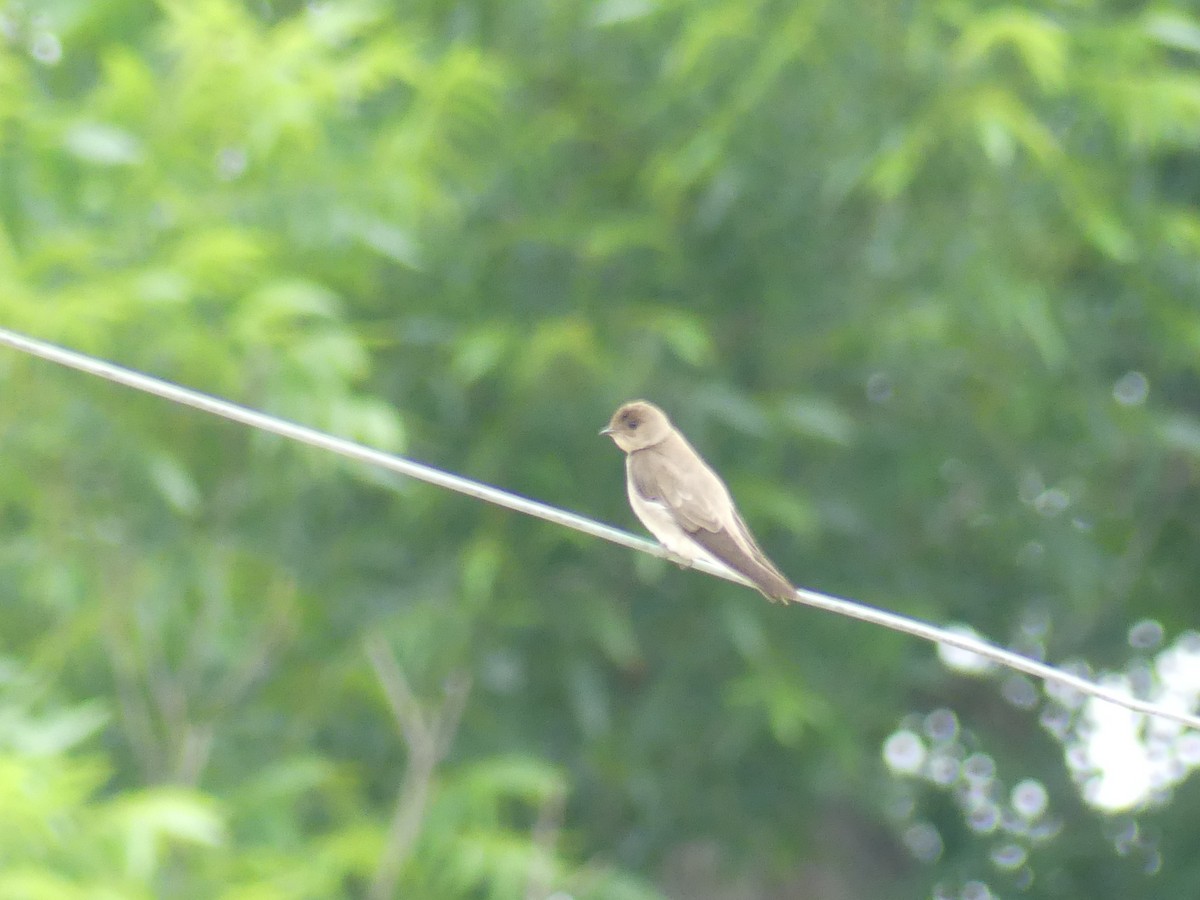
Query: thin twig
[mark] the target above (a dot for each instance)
(547, 828)
(427, 737)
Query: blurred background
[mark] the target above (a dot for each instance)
(920, 280)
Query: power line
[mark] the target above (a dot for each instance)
(292, 431)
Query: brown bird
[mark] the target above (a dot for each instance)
(683, 502)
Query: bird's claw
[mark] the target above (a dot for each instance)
(682, 561)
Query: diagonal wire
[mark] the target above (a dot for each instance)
(422, 472)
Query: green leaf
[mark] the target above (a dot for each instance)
(103, 145)
(150, 821)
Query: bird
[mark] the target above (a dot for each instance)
(684, 503)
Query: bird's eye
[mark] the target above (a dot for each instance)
(633, 424)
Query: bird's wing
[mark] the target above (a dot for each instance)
(699, 501)
(685, 485)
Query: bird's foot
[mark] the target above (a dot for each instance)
(682, 561)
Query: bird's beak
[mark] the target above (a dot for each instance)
(607, 429)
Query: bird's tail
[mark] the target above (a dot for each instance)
(774, 586)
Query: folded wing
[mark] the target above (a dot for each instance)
(701, 504)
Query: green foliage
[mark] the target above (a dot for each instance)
(919, 280)
(60, 838)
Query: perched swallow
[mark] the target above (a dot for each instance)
(683, 502)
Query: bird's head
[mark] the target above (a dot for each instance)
(637, 425)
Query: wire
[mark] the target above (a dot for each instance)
(312, 437)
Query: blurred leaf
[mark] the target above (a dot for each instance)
(480, 352)
(815, 417)
(1181, 432)
(616, 12)
(684, 334)
(152, 820)
(104, 145)
(1174, 29)
(174, 483)
(1039, 43)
